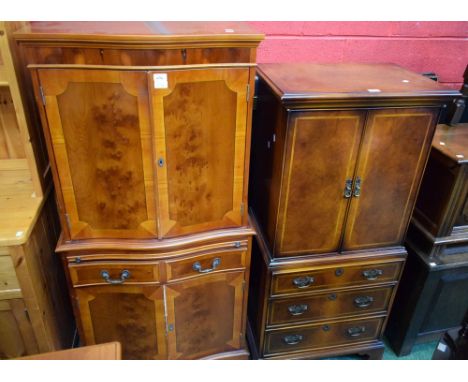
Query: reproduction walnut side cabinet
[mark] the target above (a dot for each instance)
(433, 295)
(148, 131)
(35, 312)
(338, 155)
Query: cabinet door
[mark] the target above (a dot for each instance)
(132, 315)
(320, 158)
(200, 119)
(393, 154)
(205, 315)
(98, 125)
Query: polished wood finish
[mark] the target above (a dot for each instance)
(99, 129)
(438, 247)
(190, 140)
(388, 182)
(147, 126)
(103, 352)
(321, 306)
(194, 307)
(312, 222)
(328, 334)
(133, 315)
(336, 276)
(339, 154)
(349, 84)
(35, 313)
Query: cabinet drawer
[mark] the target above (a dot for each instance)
(321, 336)
(329, 305)
(137, 57)
(205, 263)
(114, 273)
(334, 277)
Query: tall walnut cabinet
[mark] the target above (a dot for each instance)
(148, 131)
(338, 155)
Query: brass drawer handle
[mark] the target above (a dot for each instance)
(293, 339)
(297, 310)
(363, 301)
(348, 188)
(356, 331)
(124, 275)
(372, 274)
(197, 266)
(303, 282)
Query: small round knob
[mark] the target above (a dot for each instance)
(325, 328)
(332, 296)
(339, 272)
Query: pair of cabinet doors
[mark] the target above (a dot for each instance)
(144, 154)
(351, 178)
(189, 319)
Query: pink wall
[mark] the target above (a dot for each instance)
(429, 46)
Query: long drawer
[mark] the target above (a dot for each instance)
(131, 271)
(327, 305)
(322, 336)
(334, 277)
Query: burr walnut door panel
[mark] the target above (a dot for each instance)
(99, 128)
(321, 153)
(132, 315)
(205, 315)
(200, 120)
(391, 160)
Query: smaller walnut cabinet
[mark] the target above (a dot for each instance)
(338, 155)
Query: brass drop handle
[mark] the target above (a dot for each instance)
(197, 266)
(124, 275)
(356, 331)
(357, 187)
(293, 339)
(303, 282)
(372, 274)
(348, 188)
(297, 310)
(363, 301)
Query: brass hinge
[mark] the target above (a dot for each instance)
(242, 209)
(248, 92)
(243, 285)
(26, 313)
(42, 95)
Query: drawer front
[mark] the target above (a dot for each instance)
(114, 273)
(205, 263)
(136, 57)
(334, 277)
(321, 336)
(329, 305)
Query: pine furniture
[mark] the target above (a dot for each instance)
(35, 313)
(338, 154)
(147, 126)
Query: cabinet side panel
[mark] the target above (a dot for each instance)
(268, 136)
(431, 207)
